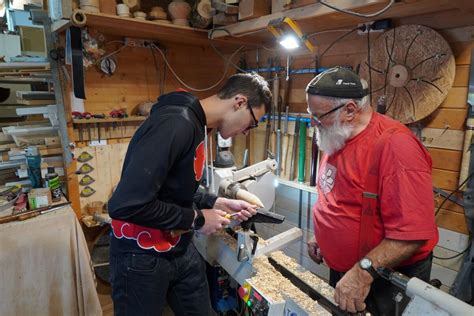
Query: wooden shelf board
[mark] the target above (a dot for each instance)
(129, 27)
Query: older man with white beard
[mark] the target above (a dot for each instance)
(375, 204)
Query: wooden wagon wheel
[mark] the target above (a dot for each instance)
(414, 67)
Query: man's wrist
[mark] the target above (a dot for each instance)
(364, 275)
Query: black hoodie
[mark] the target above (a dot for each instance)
(161, 173)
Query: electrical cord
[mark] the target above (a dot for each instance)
(223, 29)
(340, 38)
(188, 86)
(218, 52)
(452, 257)
(450, 194)
(439, 208)
(157, 69)
(362, 15)
(308, 36)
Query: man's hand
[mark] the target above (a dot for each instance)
(215, 220)
(313, 251)
(245, 210)
(352, 290)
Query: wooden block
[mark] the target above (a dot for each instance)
(250, 9)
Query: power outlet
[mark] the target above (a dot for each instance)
(136, 42)
(378, 26)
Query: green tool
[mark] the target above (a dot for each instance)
(302, 152)
(87, 191)
(86, 180)
(85, 168)
(84, 157)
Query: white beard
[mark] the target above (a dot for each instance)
(333, 138)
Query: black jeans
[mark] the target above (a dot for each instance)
(380, 301)
(142, 284)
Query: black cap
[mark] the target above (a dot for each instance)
(338, 82)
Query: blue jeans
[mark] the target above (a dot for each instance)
(142, 284)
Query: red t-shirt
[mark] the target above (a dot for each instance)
(406, 204)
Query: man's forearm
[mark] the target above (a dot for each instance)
(390, 252)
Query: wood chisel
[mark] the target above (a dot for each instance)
(314, 159)
(302, 152)
(293, 149)
(275, 101)
(284, 144)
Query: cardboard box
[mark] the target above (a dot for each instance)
(40, 197)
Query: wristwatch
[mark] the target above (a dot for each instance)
(366, 264)
(199, 221)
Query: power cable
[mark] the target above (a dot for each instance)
(185, 84)
(361, 15)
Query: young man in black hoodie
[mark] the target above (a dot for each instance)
(157, 193)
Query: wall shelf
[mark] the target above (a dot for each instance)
(296, 185)
(129, 27)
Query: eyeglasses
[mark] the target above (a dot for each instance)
(255, 121)
(318, 118)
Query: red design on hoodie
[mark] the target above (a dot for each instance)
(147, 238)
(199, 157)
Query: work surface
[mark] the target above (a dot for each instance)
(46, 267)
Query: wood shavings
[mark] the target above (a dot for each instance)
(317, 283)
(226, 238)
(275, 287)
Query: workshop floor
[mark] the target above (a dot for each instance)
(104, 291)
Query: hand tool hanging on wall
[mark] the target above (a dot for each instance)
(85, 169)
(77, 65)
(275, 97)
(314, 153)
(314, 159)
(302, 152)
(86, 180)
(293, 150)
(286, 103)
(84, 157)
(268, 129)
(284, 145)
(87, 191)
